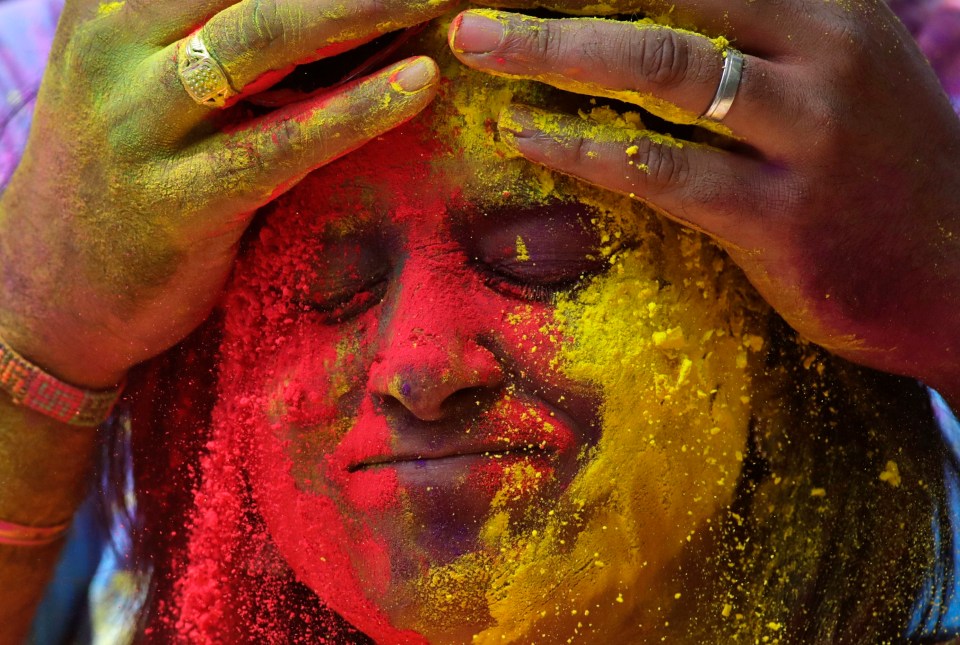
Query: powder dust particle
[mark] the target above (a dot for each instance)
(523, 255)
(891, 474)
(818, 492)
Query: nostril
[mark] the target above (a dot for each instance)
(435, 381)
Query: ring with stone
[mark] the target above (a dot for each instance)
(202, 76)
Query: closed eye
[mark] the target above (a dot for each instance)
(340, 306)
(536, 252)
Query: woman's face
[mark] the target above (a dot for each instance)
(480, 399)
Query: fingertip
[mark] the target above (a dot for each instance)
(516, 121)
(415, 75)
(477, 31)
(453, 31)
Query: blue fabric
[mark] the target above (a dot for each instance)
(941, 603)
(62, 616)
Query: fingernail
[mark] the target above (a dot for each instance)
(475, 33)
(514, 126)
(414, 76)
(515, 122)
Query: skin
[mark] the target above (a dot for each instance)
(424, 373)
(118, 231)
(175, 189)
(812, 111)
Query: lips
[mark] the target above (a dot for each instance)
(492, 452)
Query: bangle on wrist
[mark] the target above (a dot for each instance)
(20, 535)
(28, 385)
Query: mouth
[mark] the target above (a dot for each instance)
(447, 458)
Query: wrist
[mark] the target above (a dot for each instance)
(63, 355)
(30, 386)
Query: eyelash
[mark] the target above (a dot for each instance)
(340, 310)
(535, 292)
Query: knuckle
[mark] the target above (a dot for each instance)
(88, 52)
(666, 167)
(545, 40)
(578, 150)
(261, 27)
(826, 124)
(238, 165)
(265, 23)
(368, 8)
(287, 139)
(661, 57)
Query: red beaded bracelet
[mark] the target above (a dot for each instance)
(31, 387)
(19, 535)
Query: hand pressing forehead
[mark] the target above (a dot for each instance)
(819, 191)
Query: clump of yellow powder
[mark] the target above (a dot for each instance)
(664, 340)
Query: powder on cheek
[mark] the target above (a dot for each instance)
(665, 337)
(275, 368)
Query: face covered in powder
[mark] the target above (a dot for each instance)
(475, 399)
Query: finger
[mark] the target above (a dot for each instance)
(711, 190)
(239, 172)
(162, 23)
(256, 42)
(673, 74)
(254, 37)
(764, 28)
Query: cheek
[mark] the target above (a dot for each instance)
(530, 338)
(673, 374)
(310, 400)
(315, 397)
(536, 343)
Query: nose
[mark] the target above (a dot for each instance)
(429, 374)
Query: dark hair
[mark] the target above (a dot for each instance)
(841, 518)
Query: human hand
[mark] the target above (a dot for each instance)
(122, 222)
(839, 197)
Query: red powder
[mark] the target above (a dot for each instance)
(283, 518)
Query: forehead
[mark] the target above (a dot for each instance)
(433, 174)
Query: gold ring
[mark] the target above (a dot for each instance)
(201, 75)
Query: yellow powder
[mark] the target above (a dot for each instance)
(891, 474)
(106, 8)
(523, 254)
(639, 497)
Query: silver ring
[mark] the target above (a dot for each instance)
(201, 75)
(729, 84)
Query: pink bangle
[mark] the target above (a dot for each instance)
(19, 535)
(31, 387)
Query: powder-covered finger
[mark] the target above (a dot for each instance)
(245, 169)
(161, 22)
(257, 43)
(255, 40)
(761, 27)
(711, 190)
(671, 73)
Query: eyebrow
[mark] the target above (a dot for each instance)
(362, 224)
(500, 211)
